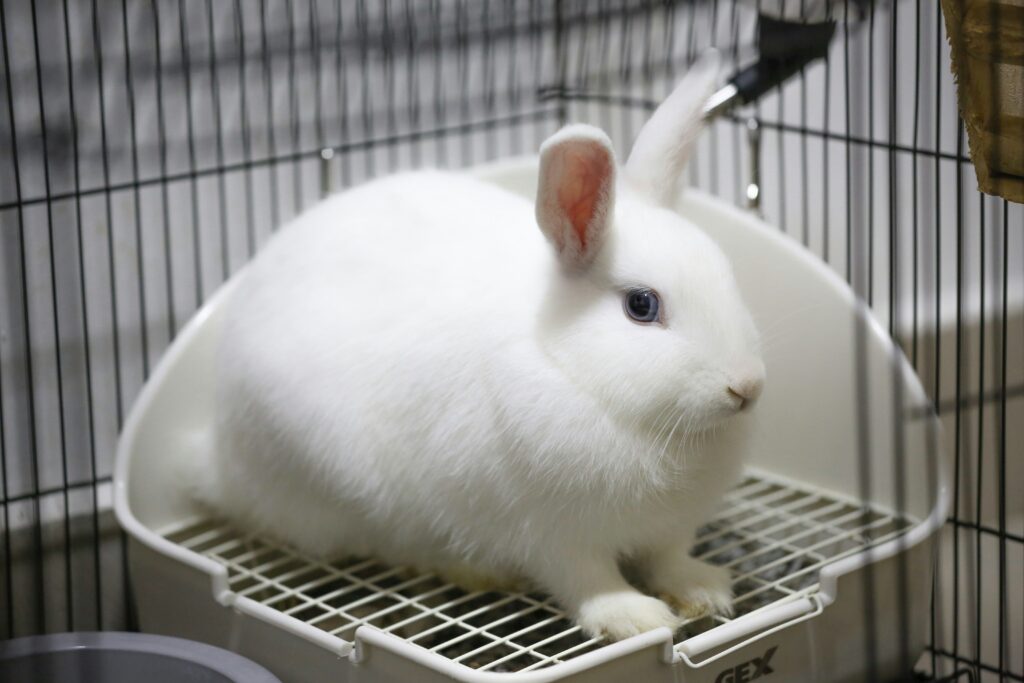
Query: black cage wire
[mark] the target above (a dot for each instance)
(148, 147)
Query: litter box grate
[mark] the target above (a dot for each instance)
(773, 535)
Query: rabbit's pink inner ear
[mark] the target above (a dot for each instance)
(575, 192)
(584, 190)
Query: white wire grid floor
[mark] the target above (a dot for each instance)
(773, 535)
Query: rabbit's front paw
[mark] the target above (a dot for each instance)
(695, 589)
(616, 616)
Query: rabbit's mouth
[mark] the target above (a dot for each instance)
(715, 413)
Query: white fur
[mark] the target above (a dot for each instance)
(666, 143)
(409, 371)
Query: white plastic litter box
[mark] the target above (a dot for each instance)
(821, 580)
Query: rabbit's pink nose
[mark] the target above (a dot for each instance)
(746, 390)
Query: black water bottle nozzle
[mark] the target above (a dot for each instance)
(785, 48)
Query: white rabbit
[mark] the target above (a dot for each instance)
(411, 371)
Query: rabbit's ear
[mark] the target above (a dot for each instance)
(576, 192)
(667, 140)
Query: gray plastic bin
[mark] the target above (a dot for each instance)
(122, 658)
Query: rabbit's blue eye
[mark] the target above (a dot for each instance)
(642, 305)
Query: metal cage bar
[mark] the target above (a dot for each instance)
(149, 147)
